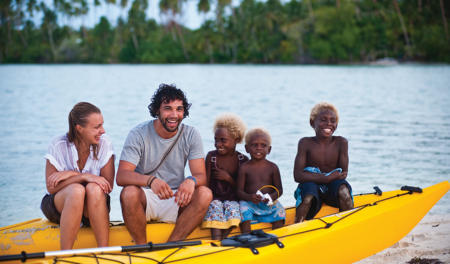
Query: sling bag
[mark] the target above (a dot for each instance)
(168, 151)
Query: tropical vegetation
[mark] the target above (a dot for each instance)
(271, 31)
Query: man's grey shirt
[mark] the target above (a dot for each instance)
(145, 149)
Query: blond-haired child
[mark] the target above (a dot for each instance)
(222, 167)
(321, 166)
(259, 183)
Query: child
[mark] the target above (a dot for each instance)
(321, 166)
(222, 167)
(255, 174)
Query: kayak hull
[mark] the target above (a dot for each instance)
(376, 223)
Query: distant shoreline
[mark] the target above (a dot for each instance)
(371, 63)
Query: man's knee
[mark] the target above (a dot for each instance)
(204, 195)
(130, 194)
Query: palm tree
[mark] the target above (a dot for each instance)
(19, 17)
(443, 18)
(203, 7)
(5, 6)
(399, 13)
(48, 22)
(120, 21)
(172, 8)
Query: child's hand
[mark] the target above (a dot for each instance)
(221, 175)
(266, 200)
(256, 199)
(336, 175)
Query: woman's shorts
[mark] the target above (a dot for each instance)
(49, 209)
(222, 215)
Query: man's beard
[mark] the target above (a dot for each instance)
(165, 124)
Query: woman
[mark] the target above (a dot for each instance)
(79, 176)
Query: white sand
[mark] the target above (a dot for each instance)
(429, 239)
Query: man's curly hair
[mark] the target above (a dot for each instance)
(165, 94)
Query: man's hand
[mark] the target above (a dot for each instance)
(220, 174)
(256, 199)
(162, 189)
(101, 181)
(58, 176)
(184, 194)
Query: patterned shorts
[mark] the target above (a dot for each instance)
(222, 215)
(262, 212)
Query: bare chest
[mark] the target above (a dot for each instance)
(325, 158)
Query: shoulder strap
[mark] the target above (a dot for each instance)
(214, 158)
(168, 151)
(240, 157)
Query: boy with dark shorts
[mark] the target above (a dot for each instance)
(258, 183)
(321, 166)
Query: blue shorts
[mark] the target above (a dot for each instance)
(329, 197)
(261, 212)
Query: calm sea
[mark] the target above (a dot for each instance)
(396, 119)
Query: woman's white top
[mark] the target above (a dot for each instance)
(64, 156)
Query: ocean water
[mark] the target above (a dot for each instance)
(396, 119)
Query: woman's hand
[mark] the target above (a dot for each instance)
(101, 181)
(58, 176)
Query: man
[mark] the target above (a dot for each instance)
(164, 195)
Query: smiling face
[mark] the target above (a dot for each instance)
(223, 141)
(325, 124)
(171, 114)
(258, 146)
(93, 130)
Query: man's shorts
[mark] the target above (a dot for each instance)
(49, 209)
(330, 197)
(160, 210)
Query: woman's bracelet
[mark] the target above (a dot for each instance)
(192, 178)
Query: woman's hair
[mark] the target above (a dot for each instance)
(258, 131)
(165, 94)
(233, 123)
(78, 116)
(320, 107)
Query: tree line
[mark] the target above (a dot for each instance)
(297, 31)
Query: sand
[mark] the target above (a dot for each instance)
(430, 239)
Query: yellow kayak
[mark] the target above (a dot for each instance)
(376, 223)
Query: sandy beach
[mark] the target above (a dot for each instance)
(429, 239)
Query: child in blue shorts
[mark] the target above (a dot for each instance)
(259, 183)
(321, 166)
(222, 167)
